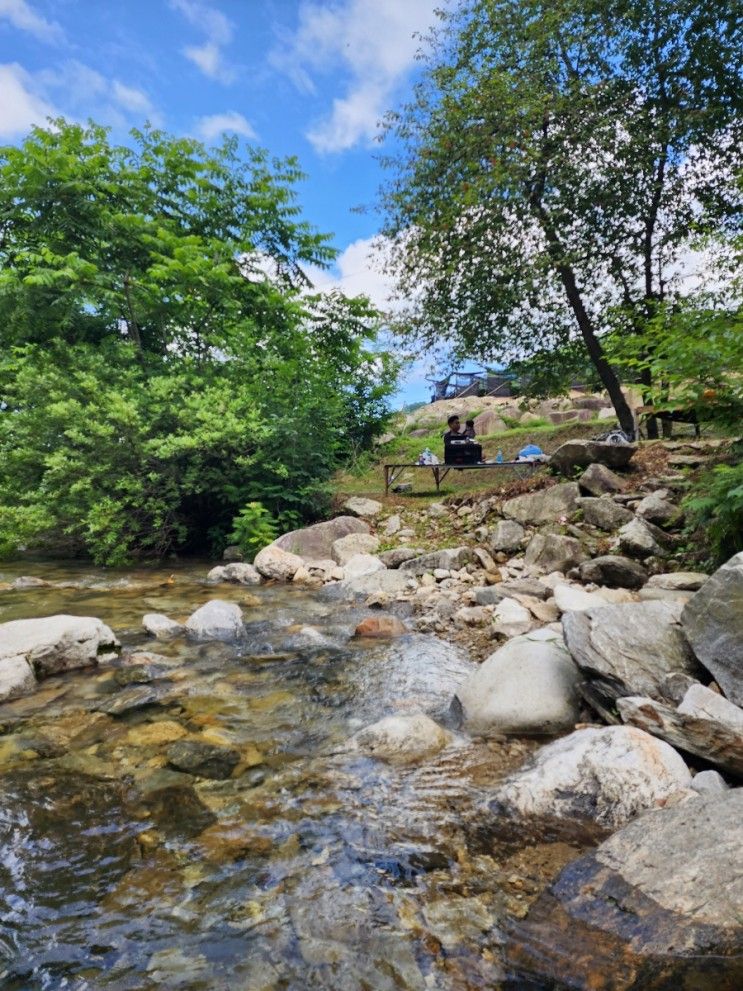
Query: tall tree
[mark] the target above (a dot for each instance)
(557, 163)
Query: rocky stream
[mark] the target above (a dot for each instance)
(309, 785)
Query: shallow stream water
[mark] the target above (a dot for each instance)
(309, 868)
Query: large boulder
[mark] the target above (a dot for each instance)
(605, 513)
(362, 564)
(569, 598)
(275, 563)
(401, 739)
(506, 535)
(705, 724)
(448, 559)
(655, 906)
(678, 581)
(581, 453)
(511, 618)
(216, 620)
(530, 686)
(36, 648)
(384, 582)
(160, 626)
(358, 506)
(630, 648)
(489, 422)
(598, 480)
(346, 547)
(395, 557)
(713, 622)
(553, 552)
(545, 506)
(658, 509)
(641, 539)
(615, 571)
(606, 776)
(315, 543)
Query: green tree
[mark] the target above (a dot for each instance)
(163, 363)
(556, 164)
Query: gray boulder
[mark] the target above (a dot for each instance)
(488, 595)
(554, 552)
(216, 620)
(383, 582)
(606, 776)
(656, 508)
(347, 547)
(277, 564)
(678, 581)
(605, 513)
(615, 571)
(705, 724)
(362, 564)
(713, 622)
(398, 555)
(37, 648)
(709, 783)
(506, 535)
(641, 539)
(237, 573)
(358, 506)
(545, 506)
(629, 647)
(452, 558)
(656, 905)
(528, 686)
(598, 480)
(315, 543)
(582, 453)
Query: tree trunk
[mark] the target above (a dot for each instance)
(652, 422)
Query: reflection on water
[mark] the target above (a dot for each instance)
(123, 866)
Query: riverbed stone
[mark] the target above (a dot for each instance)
(511, 619)
(678, 581)
(545, 506)
(604, 513)
(451, 558)
(506, 535)
(398, 555)
(216, 620)
(346, 547)
(362, 564)
(402, 739)
(278, 564)
(598, 480)
(53, 644)
(614, 570)
(657, 508)
(713, 622)
(629, 647)
(655, 906)
(237, 572)
(554, 552)
(16, 678)
(530, 686)
(604, 775)
(573, 597)
(384, 582)
(641, 539)
(383, 627)
(161, 627)
(206, 760)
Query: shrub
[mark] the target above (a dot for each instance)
(253, 529)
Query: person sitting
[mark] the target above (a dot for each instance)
(469, 429)
(458, 448)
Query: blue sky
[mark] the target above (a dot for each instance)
(304, 77)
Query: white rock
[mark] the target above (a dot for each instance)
(366, 508)
(277, 564)
(392, 526)
(703, 703)
(16, 678)
(386, 582)
(709, 783)
(352, 544)
(160, 626)
(530, 685)
(606, 775)
(572, 597)
(362, 564)
(56, 643)
(511, 618)
(237, 572)
(216, 620)
(402, 739)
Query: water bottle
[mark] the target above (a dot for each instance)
(499, 457)
(427, 456)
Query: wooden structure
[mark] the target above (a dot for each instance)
(480, 383)
(392, 472)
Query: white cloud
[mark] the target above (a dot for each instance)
(214, 125)
(21, 106)
(131, 99)
(207, 57)
(22, 16)
(373, 42)
(358, 271)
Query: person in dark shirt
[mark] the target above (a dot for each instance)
(455, 430)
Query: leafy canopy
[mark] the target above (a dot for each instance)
(163, 363)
